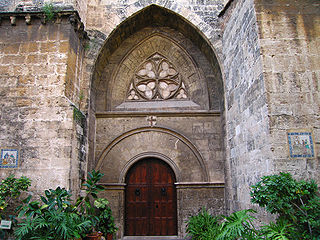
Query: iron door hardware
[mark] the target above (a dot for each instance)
(163, 191)
(137, 192)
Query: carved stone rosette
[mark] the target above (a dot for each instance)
(156, 79)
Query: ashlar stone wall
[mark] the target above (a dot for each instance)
(247, 140)
(289, 36)
(38, 88)
(271, 66)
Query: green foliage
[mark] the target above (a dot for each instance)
(84, 204)
(279, 193)
(296, 204)
(281, 230)
(48, 10)
(52, 218)
(203, 226)
(53, 225)
(238, 225)
(294, 201)
(55, 217)
(78, 116)
(106, 221)
(10, 189)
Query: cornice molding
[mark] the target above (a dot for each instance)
(31, 16)
(125, 114)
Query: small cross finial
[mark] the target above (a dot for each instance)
(152, 120)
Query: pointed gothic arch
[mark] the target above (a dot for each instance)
(155, 16)
(143, 66)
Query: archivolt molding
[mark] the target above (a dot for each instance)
(178, 8)
(183, 139)
(140, 156)
(186, 14)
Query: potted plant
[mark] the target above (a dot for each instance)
(85, 206)
(106, 223)
(94, 235)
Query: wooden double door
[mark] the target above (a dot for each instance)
(151, 205)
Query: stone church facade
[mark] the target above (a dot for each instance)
(198, 98)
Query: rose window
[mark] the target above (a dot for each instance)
(156, 79)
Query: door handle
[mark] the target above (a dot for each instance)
(137, 192)
(163, 191)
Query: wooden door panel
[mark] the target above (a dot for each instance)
(150, 199)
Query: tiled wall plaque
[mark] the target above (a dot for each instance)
(301, 144)
(9, 158)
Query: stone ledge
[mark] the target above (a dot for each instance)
(29, 16)
(179, 185)
(124, 114)
(184, 185)
(158, 104)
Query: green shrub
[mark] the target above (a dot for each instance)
(106, 221)
(49, 11)
(10, 190)
(294, 201)
(296, 204)
(55, 217)
(203, 226)
(238, 226)
(281, 230)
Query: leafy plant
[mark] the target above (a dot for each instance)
(203, 226)
(294, 201)
(78, 116)
(10, 189)
(84, 204)
(238, 225)
(281, 230)
(55, 217)
(106, 221)
(48, 10)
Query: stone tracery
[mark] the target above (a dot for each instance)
(156, 79)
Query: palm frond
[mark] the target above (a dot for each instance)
(238, 224)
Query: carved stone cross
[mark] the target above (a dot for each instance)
(152, 120)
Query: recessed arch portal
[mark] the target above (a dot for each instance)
(158, 54)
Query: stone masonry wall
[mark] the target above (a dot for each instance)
(247, 128)
(203, 14)
(36, 117)
(289, 36)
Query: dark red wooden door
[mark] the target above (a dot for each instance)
(150, 199)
